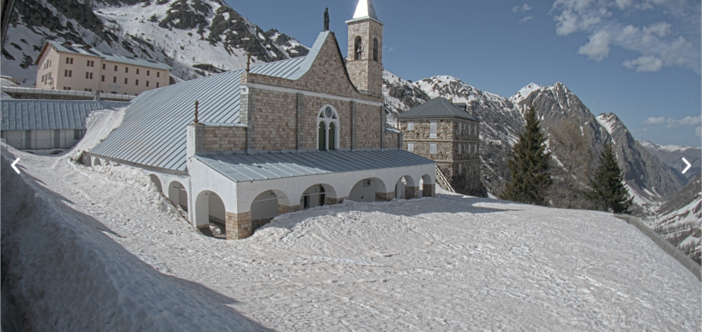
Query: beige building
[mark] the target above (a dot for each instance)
(79, 67)
(448, 134)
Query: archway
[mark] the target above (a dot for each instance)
(178, 195)
(405, 188)
(156, 182)
(265, 207)
(210, 215)
(96, 162)
(368, 190)
(318, 195)
(427, 186)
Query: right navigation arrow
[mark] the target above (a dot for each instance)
(688, 165)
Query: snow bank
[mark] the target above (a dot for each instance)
(98, 125)
(64, 274)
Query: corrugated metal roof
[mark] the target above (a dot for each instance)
(437, 108)
(29, 114)
(109, 56)
(153, 132)
(266, 166)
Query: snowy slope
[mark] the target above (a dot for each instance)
(672, 156)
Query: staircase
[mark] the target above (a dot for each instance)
(441, 180)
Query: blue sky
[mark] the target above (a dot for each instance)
(637, 58)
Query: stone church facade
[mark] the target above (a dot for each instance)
(236, 149)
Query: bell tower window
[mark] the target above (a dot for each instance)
(358, 48)
(327, 133)
(375, 49)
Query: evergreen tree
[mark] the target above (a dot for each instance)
(528, 166)
(608, 190)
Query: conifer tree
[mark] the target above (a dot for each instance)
(528, 166)
(608, 190)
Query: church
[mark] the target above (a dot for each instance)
(236, 149)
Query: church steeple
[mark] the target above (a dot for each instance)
(365, 56)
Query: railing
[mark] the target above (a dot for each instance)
(54, 92)
(441, 180)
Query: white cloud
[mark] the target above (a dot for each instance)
(654, 121)
(526, 19)
(675, 41)
(684, 122)
(598, 47)
(644, 64)
(523, 8)
(698, 131)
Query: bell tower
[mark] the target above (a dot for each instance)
(365, 57)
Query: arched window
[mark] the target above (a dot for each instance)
(375, 49)
(328, 125)
(358, 48)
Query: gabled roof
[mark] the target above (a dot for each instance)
(153, 132)
(437, 108)
(29, 114)
(82, 50)
(266, 166)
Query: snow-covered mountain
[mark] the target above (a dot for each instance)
(195, 37)
(647, 177)
(680, 219)
(672, 156)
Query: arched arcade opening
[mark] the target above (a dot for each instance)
(210, 215)
(369, 190)
(178, 195)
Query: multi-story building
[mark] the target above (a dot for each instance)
(449, 135)
(79, 67)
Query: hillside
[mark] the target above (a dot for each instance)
(195, 37)
(672, 156)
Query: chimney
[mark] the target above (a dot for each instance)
(464, 107)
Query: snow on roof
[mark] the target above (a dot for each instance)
(364, 11)
(437, 108)
(86, 50)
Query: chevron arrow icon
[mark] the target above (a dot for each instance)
(684, 160)
(13, 165)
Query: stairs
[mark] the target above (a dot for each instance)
(441, 180)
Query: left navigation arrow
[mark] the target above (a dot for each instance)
(13, 166)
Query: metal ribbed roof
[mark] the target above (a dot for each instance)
(266, 166)
(153, 132)
(437, 108)
(29, 114)
(78, 49)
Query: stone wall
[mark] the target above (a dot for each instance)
(238, 225)
(366, 73)
(225, 138)
(391, 140)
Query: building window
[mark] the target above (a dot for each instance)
(114, 79)
(410, 147)
(148, 72)
(158, 74)
(67, 60)
(469, 148)
(432, 148)
(125, 80)
(126, 69)
(88, 63)
(328, 129)
(137, 71)
(460, 127)
(460, 146)
(358, 48)
(115, 67)
(459, 168)
(432, 129)
(157, 84)
(103, 66)
(103, 78)
(375, 49)
(71, 60)
(410, 125)
(136, 82)
(147, 83)
(89, 75)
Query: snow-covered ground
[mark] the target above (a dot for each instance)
(94, 248)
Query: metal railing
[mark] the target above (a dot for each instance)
(54, 92)
(441, 180)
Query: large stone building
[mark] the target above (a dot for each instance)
(238, 148)
(448, 134)
(79, 67)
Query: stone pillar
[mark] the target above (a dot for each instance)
(383, 124)
(428, 190)
(353, 124)
(283, 209)
(384, 197)
(411, 192)
(246, 115)
(195, 139)
(238, 225)
(399, 140)
(300, 120)
(333, 200)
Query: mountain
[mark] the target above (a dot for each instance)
(195, 37)
(679, 220)
(567, 122)
(672, 156)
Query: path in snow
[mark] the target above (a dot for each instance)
(450, 263)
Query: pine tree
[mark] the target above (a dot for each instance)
(608, 190)
(528, 166)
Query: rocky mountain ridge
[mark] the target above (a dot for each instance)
(672, 156)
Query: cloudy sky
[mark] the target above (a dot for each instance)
(637, 58)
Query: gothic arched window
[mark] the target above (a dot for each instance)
(375, 49)
(328, 127)
(358, 48)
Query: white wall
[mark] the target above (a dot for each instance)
(363, 191)
(265, 206)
